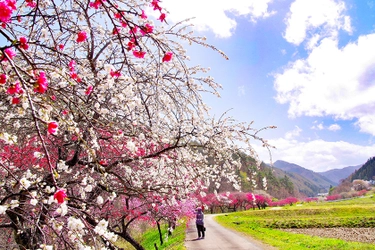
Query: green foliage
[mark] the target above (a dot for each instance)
(151, 236)
(366, 172)
(264, 225)
(174, 241)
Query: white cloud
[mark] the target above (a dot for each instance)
(332, 81)
(320, 18)
(318, 155)
(334, 127)
(213, 15)
(294, 133)
(319, 126)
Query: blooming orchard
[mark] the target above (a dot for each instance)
(103, 123)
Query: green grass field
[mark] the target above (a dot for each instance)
(264, 225)
(151, 236)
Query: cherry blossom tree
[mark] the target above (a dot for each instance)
(103, 122)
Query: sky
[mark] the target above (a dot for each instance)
(305, 66)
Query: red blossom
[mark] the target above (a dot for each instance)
(30, 3)
(147, 29)
(133, 30)
(162, 17)
(124, 24)
(15, 100)
(52, 127)
(15, 89)
(115, 31)
(42, 83)
(143, 15)
(81, 36)
(23, 43)
(96, 4)
(115, 73)
(167, 56)
(155, 4)
(72, 65)
(61, 46)
(9, 54)
(6, 10)
(139, 54)
(3, 78)
(53, 98)
(60, 196)
(88, 90)
(131, 44)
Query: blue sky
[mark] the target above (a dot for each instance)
(305, 66)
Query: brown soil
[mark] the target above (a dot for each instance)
(365, 235)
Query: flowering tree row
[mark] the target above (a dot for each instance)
(103, 122)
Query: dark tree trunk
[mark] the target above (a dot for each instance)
(160, 234)
(130, 239)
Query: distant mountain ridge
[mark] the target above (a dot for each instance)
(337, 175)
(306, 181)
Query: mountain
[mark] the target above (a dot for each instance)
(308, 181)
(366, 172)
(336, 175)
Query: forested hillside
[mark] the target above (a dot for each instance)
(366, 172)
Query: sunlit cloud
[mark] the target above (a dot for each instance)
(332, 81)
(317, 155)
(216, 16)
(314, 20)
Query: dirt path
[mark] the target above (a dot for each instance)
(220, 238)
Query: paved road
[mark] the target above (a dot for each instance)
(219, 238)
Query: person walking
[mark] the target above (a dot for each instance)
(199, 221)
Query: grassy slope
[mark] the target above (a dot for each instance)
(174, 242)
(262, 224)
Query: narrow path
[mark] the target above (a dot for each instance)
(219, 238)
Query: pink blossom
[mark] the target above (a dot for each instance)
(9, 54)
(72, 65)
(60, 196)
(6, 10)
(15, 89)
(15, 100)
(30, 3)
(42, 83)
(131, 44)
(155, 4)
(88, 90)
(64, 112)
(53, 98)
(52, 127)
(81, 37)
(115, 31)
(147, 29)
(168, 56)
(61, 46)
(3, 78)
(96, 4)
(133, 30)
(23, 43)
(139, 54)
(162, 17)
(143, 15)
(115, 73)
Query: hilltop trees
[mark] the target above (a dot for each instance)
(103, 122)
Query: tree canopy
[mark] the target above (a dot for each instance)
(103, 122)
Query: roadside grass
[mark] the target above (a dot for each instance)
(150, 237)
(264, 225)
